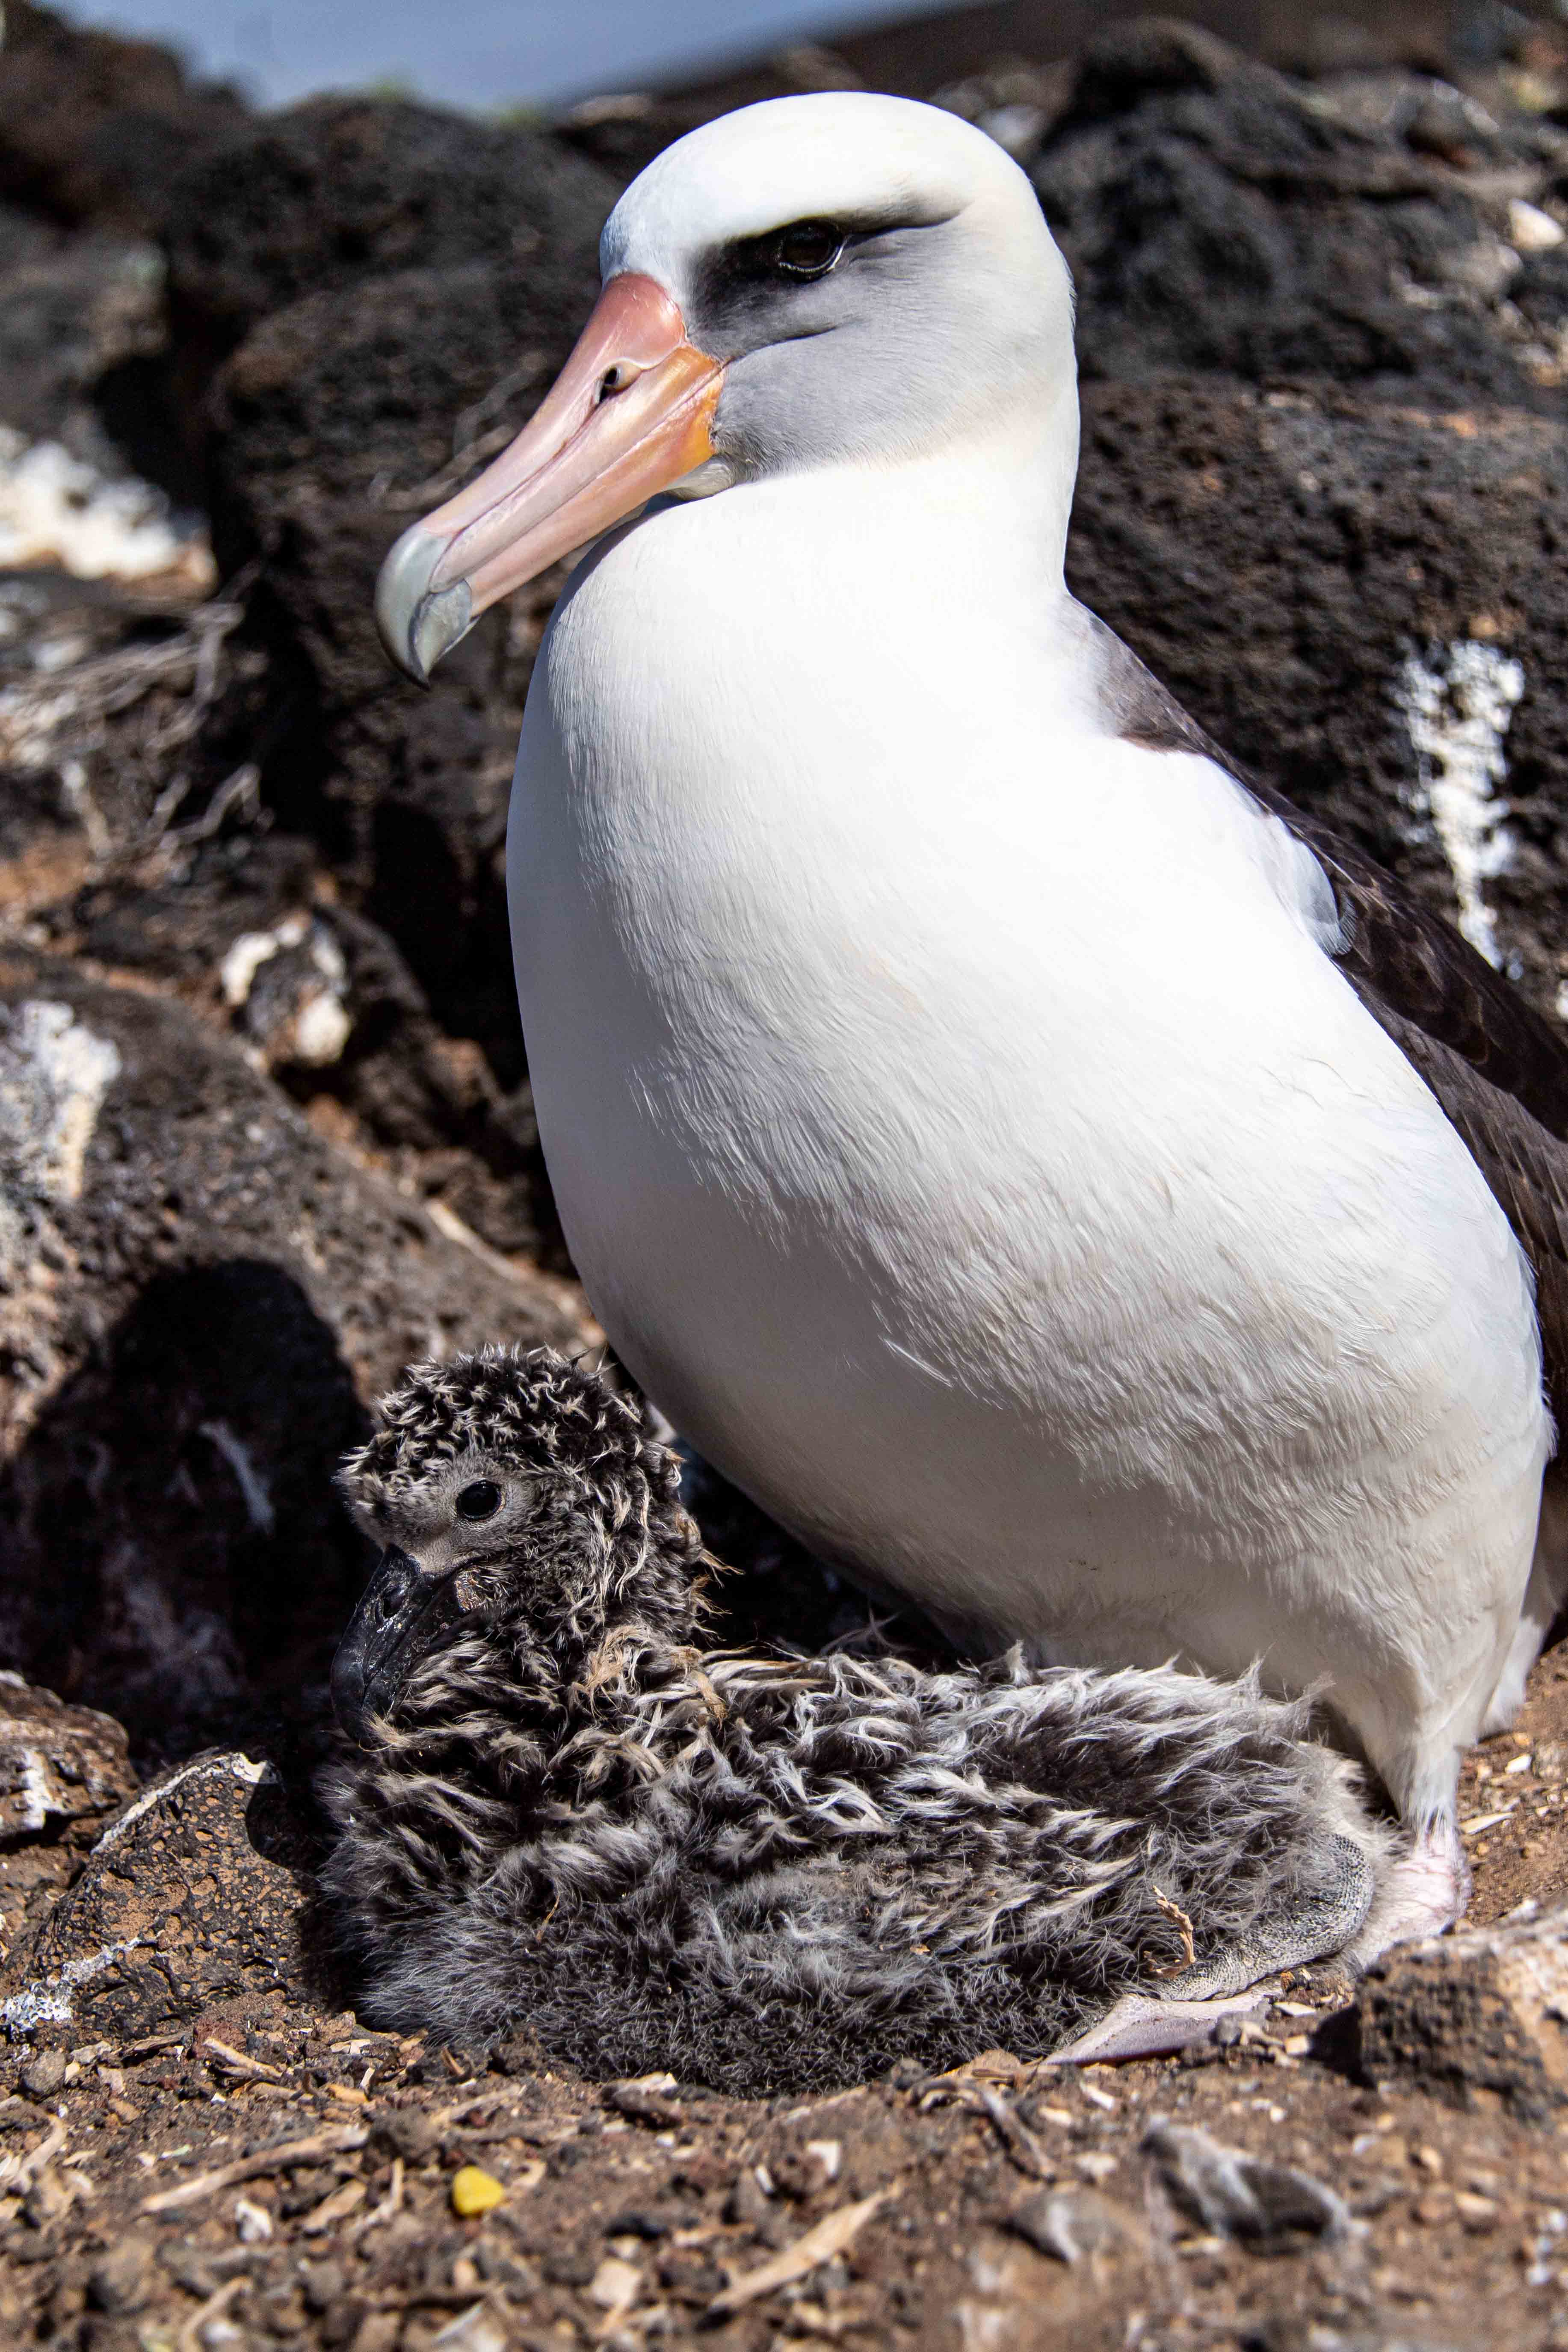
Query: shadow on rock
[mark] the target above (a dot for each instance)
(194, 1289)
(173, 1548)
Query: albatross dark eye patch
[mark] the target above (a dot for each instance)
(740, 283)
(753, 267)
(482, 1500)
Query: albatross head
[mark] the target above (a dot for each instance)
(816, 281)
(517, 1501)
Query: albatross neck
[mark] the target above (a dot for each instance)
(993, 501)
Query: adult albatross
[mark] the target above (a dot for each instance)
(1050, 1172)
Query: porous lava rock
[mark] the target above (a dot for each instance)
(334, 425)
(193, 1284)
(325, 195)
(64, 1770)
(322, 999)
(402, 284)
(79, 316)
(194, 1897)
(1479, 2015)
(1221, 217)
(1365, 600)
(93, 127)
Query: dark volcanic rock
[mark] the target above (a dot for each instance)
(406, 283)
(192, 1283)
(93, 128)
(63, 1771)
(1218, 216)
(69, 316)
(1480, 2012)
(1272, 2207)
(194, 1897)
(1366, 602)
(341, 189)
(334, 425)
(322, 999)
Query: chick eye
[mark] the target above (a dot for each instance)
(807, 249)
(482, 1500)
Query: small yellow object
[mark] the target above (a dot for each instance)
(474, 2192)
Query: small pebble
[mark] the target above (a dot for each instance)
(477, 2330)
(614, 2286)
(44, 2073)
(121, 2280)
(474, 2192)
(747, 2203)
(406, 2131)
(648, 2097)
(253, 2221)
(323, 2283)
(1073, 2223)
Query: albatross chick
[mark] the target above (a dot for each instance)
(767, 1873)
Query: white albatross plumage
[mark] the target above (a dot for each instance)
(953, 1086)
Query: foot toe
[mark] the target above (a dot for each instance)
(1425, 1892)
(1139, 2026)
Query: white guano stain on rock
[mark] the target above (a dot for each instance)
(47, 2000)
(317, 1029)
(1458, 710)
(322, 1030)
(54, 1075)
(235, 1762)
(245, 959)
(56, 510)
(1530, 230)
(38, 1793)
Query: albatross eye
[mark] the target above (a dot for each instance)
(807, 249)
(482, 1500)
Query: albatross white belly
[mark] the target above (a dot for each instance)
(964, 1136)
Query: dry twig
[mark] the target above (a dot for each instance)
(264, 2160)
(808, 2253)
(1019, 2142)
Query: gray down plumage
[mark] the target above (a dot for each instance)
(775, 1873)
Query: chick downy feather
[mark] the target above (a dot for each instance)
(775, 1873)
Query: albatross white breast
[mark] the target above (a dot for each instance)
(1049, 1174)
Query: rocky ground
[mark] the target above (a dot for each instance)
(267, 1134)
(203, 2147)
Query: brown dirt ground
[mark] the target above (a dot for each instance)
(624, 2216)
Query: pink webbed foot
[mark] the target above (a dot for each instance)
(1240, 1976)
(1422, 1895)
(1141, 2026)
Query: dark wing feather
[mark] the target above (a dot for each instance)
(1497, 1068)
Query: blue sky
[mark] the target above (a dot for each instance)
(474, 52)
